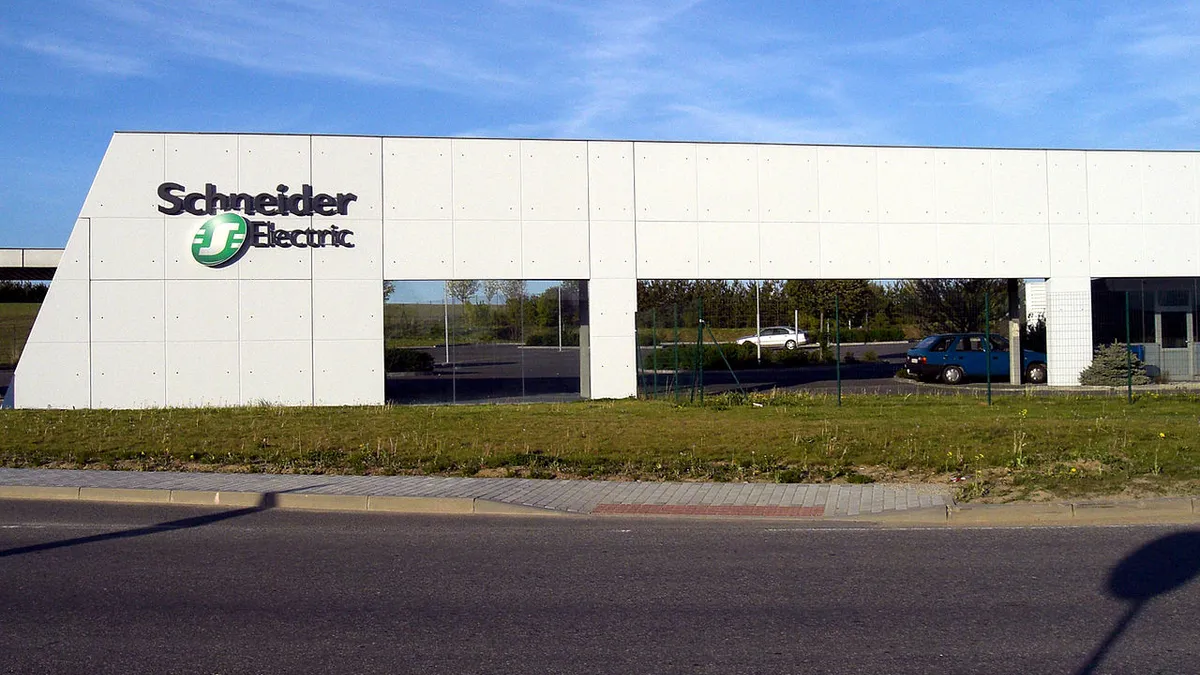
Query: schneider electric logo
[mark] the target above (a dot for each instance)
(222, 239)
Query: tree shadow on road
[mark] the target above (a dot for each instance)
(266, 502)
(1155, 569)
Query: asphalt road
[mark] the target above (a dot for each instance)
(94, 588)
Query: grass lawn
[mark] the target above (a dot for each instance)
(1017, 448)
(16, 320)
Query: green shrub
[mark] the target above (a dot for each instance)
(407, 361)
(570, 338)
(1109, 367)
(870, 356)
(849, 357)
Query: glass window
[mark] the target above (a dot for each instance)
(1174, 330)
(999, 344)
(971, 343)
(940, 344)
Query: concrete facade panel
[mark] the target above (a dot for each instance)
(613, 249)
(1067, 186)
(202, 311)
(665, 181)
(417, 179)
(788, 185)
(202, 373)
(727, 183)
(554, 181)
(907, 185)
(127, 248)
(1116, 250)
(53, 375)
(729, 250)
(1171, 250)
(617, 306)
(275, 310)
(131, 160)
(129, 375)
(65, 314)
(1022, 251)
(348, 164)
(1070, 253)
(668, 250)
(265, 162)
(347, 310)
(1019, 187)
(348, 372)
(610, 181)
(363, 261)
(487, 249)
(486, 179)
(1169, 188)
(128, 311)
(1114, 188)
(276, 372)
(847, 185)
(849, 251)
(278, 262)
(964, 185)
(554, 250)
(965, 250)
(789, 250)
(908, 251)
(418, 249)
(194, 160)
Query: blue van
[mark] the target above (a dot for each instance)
(955, 357)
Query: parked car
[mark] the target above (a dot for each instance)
(775, 337)
(955, 357)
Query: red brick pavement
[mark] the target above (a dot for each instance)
(710, 510)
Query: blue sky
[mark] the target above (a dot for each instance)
(1012, 74)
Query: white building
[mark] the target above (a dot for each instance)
(134, 318)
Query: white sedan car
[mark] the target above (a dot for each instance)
(776, 336)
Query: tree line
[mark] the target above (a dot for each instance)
(925, 305)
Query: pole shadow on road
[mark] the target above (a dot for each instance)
(266, 502)
(1155, 569)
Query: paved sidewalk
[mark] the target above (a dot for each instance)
(571, 496)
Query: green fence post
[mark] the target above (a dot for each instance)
(700, 346)
(675, 385)
(837, 338)
(1128, 355)
(654, 344)
(987, 340)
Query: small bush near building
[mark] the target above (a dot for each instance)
(1109, 367)
(570, 338)
(407, 361)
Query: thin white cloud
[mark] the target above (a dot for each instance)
(357, 42)
(1017, 86)
(92, 60)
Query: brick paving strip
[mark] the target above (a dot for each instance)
(571, 496)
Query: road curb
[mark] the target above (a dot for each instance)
(1165, 511)
(277, 500)
(1169, 510)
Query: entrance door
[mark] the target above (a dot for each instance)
(1175, 334)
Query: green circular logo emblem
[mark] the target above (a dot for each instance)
(219, 239)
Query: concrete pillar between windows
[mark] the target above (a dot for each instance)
(585, 350)
(610, 359)
(1068, 329)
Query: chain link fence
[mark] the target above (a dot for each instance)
(709, 336)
